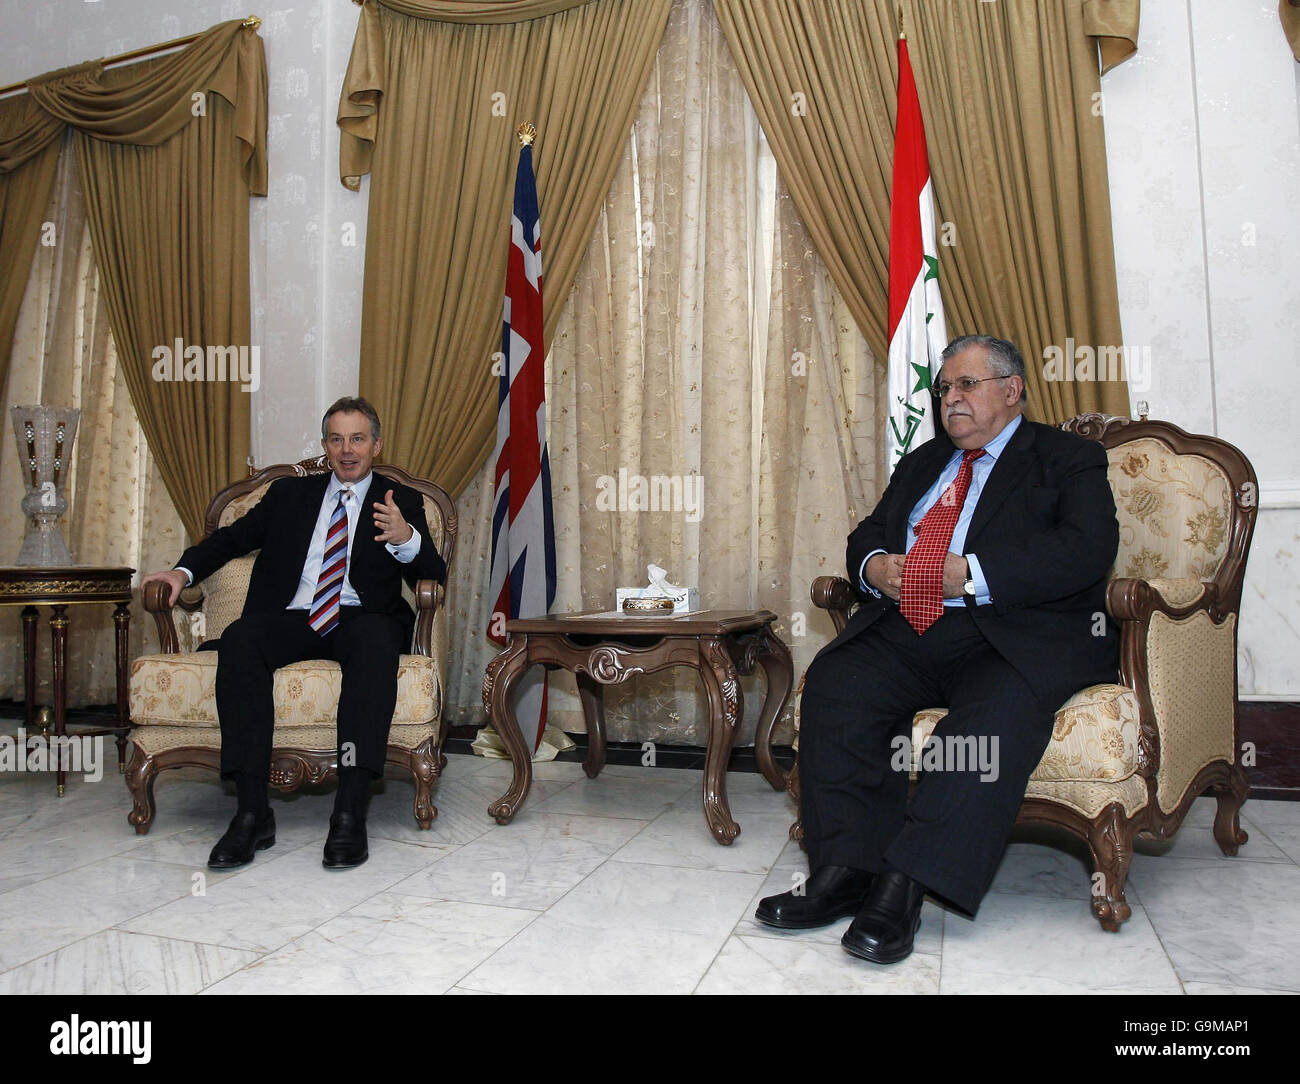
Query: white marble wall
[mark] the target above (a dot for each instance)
(1203, 140)
(1204, 153)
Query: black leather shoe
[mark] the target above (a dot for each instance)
(345, 846)
(886, 926)
(830, 893)
(248, 833)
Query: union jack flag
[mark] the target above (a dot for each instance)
(523, 533)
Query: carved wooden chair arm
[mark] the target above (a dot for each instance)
(428, 597)
(1130, 599)
(154, 598)
(836, 594)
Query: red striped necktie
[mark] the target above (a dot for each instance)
(921, 596)
(329, 585)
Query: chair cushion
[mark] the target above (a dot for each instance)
(180, 690)
(1094, 739)
(162, 739)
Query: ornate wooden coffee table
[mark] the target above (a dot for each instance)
(607, 648)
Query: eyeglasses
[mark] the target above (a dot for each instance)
(965, 385)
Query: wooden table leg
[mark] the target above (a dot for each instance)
(121, 652)
(726, 708)
(775, 659)
(498, 680)
(59, 643)
(592, 694)
(29, 618)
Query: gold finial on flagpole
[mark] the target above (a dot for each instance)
(526, 133)
(898, 8)
(252, 22)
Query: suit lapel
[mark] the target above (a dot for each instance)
(1005, 476)
(365, 545)
(304, 522)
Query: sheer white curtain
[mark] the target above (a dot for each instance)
(119, 511)
(703, 341)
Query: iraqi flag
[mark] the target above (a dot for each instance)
(917, 330)
(523, 534)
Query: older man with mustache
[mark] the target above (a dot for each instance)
(982, 573)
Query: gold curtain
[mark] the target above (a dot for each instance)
(1010, 95)
(119, 510)
(430, 107)
(1114, 23)
(703, 343)
(1289, 12)
(29, 152)
(169, 151)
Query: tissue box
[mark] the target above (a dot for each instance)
(685, 601)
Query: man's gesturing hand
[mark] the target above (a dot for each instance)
(174, 576)
(390, 524)
(885, 573)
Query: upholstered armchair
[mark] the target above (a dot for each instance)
(1129, 759)
(173, 694)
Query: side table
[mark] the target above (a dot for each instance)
(59, 588)
(607, 648)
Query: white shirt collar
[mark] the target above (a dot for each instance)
(359, 487)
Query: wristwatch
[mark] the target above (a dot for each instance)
(968, 588)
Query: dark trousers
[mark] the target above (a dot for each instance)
(861, 696)
(366, 646)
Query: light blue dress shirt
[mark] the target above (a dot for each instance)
(979, 475)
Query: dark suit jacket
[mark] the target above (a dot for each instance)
(281, 526)
(1046, 536)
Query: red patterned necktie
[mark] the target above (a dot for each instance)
(329, 585)
(921, 596)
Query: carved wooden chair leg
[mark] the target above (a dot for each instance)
(1110, 839)
(140, 774)
(1230, 796)
(425, 775)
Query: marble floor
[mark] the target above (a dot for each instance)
(611, 885)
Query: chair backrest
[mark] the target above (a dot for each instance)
(225, 590)
(1186, 504)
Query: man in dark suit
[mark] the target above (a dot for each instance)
(327, 583)
(982, 573)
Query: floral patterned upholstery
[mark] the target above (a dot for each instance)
(1095, 736)
(167, 690)
(1173, 511)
